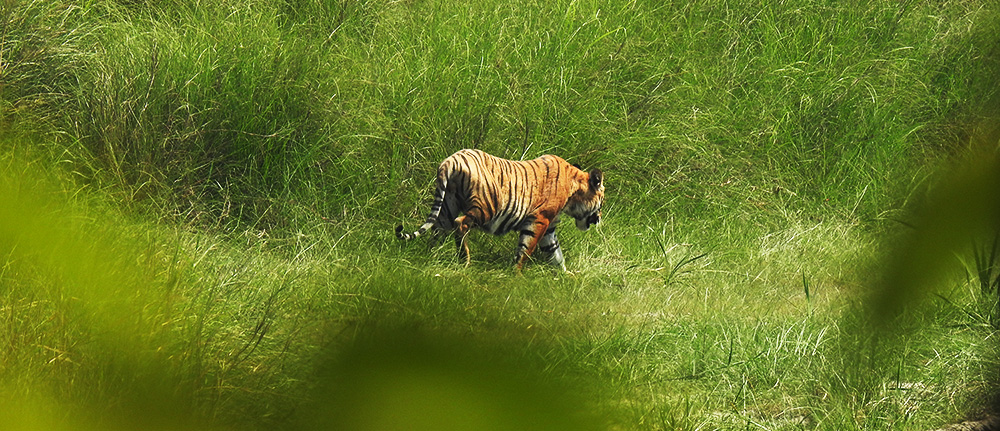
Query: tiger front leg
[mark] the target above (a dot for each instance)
(528, 240)
(549, 245)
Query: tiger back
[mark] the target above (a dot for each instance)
(474, 189)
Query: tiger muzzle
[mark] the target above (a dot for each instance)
(593, 219)
(586, 222)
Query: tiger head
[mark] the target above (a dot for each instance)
(585, 204)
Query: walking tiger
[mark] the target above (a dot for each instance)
(477, 190)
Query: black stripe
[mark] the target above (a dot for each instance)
(555, 183)
(511, 213)
(530, 188)
(488, 178)
(546, 179)
(509, 223)
(516, 184)
(510, 206)
(464, 180)
(501, 174)
(498, 223)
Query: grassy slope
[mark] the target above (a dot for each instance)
(753, 151)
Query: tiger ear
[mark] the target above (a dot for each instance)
(596, 179)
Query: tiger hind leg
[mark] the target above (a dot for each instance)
(465, 223)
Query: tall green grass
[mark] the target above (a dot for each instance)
(197, 204)
(234, 109)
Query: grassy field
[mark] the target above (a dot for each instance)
(197, 202)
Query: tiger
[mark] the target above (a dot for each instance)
(477, 190)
